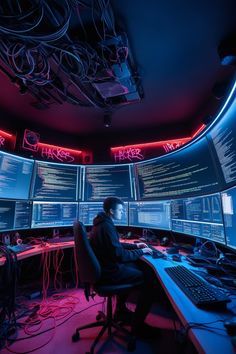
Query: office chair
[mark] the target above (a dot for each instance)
(89, 274)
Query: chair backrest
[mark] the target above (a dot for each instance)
(88, 266)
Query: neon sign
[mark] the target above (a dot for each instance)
(58, 153)
(2, 141)
(7, 141)
(143, 151)
(129, 153)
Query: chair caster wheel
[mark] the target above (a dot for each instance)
(100, 316)
(76, 337)
(131, 345)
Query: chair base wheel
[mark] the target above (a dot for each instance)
(76, 337)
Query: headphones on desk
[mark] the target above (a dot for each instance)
(209, 249)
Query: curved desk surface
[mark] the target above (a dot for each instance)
(214, 340)
(39, 249)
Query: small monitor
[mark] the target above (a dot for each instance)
(88, 211)
(229, 211)
(14, 215)
(15, 176)
(55, 182)
(53, 214)
(199, 216)
(102, 181)
(154, 215)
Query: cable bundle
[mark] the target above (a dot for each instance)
(43, 52)
(7, 293)
(36, 20)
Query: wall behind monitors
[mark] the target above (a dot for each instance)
(222, 136)
(229, 211)
(186, 172)
(155, 215)
(54, 181)
(107, 181)
(88, 211)
(199, 216)
(53, 214)
(14, 215)
(15, 176)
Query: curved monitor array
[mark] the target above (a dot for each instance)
(190, 191)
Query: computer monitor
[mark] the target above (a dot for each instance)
(15, 215)
(222, 137)
(184, 173)
(199, 216)
(53, 214)
(154, 215)
(102, 181)
(229, 211)
(88, 211)
(54, 181)
(15, 176)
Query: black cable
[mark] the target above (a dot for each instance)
(8, 292)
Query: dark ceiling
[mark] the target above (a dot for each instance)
(174, 45)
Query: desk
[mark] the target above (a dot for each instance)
(205, 340)
(40, 249)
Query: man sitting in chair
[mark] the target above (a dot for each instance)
(118, 264)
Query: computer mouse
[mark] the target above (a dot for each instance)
(176, 257)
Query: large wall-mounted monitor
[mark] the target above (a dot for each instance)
(102, 181)
(14, 215)
(53, 181)
(54, 214)
(155, 215)
(15, 176)
(229, 211)
(88, 211)
(222, 137)
(199, 216)
(187, 172)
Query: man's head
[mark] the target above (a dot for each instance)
(114, 207)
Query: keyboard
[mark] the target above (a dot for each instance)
(60, 239)
(20, 248)
(156, 253)
(198, 291)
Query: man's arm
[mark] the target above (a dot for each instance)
(123, 254)
(133, 246)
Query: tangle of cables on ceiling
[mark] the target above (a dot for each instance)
(67, 51)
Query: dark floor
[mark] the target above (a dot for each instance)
(50, 331)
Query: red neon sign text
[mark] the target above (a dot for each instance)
(2, 141)
(58, 154)
(128, 154)
(172, 146)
